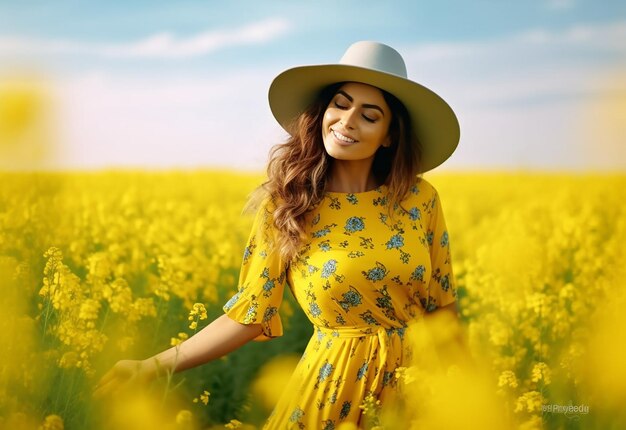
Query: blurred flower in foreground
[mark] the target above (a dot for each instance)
(272, 379)
(26, 123)
(604, 122)
(138, 409)
(52, 422)
(601, 366)
(443, 377)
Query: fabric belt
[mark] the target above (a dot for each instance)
(383, 334)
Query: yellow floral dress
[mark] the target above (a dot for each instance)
(362, 277)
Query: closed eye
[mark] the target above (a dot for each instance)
(368, 118)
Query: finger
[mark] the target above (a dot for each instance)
(109, 376)
(99, 392)
(103, 390)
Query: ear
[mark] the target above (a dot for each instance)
(387, 142)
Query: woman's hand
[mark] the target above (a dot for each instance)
(215, 340)
(123, 374)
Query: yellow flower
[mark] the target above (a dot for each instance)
(89, 309)
(233, 424)
(144, 307)
(52, 422)
(541, 371)
(183, 417)
(180, 339)
(69, 359)
(507, 379)
(370, 407)
(204, 397)
(530, 401)
(197, 312)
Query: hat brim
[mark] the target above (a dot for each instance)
(434, 123)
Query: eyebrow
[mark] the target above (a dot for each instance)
(365, 105)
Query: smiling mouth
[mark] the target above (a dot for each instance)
(342, 137)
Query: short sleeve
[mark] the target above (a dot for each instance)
(261, 279)
(442, 284)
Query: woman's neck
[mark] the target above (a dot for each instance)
(351, 176)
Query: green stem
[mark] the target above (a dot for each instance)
(48, 300)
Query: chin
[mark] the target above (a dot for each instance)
(335, 153)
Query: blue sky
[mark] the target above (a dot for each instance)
(538, 84)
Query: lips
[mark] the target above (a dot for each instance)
(342, 137)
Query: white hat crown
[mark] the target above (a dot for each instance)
(376, 56)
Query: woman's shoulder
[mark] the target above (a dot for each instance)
(259, 201)
(421, 190)
(422, 200)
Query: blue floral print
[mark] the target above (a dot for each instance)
(247, 252)
(362, 371)
(445, 283)
(354, 224)
(377, 273)
(328, 425)
(345, 409)
(388, 377)
(396, 241)
(269, 284)
(444, 239)
(321, 233)
(230, 303)
(418, 273)
(251, 313)
(350, 299)
(296, 415)
(329, 268)
(315, 310)
(324, 246)
(269, 313)
(334, 203)
(414, 214)
(325, 372)
(368, 317)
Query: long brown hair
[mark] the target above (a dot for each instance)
(297, 169)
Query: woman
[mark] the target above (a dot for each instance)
(347, 223)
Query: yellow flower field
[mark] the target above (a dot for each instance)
(100, 266)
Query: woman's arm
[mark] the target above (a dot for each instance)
(214, 341)
(217, 339)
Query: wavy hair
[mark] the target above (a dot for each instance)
(297, 169)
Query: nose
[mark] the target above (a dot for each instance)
(347, 118)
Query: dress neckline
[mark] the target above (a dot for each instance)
(378, 190)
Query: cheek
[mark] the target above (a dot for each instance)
(328, 118)
(375, 136)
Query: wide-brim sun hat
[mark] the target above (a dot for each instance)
(435, 126)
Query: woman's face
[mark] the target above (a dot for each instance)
(356, 122)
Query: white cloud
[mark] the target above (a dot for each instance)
(604, 37)
(609, 37)
(166, 121)
(527, 66)
(524, 101)
(162, 45)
